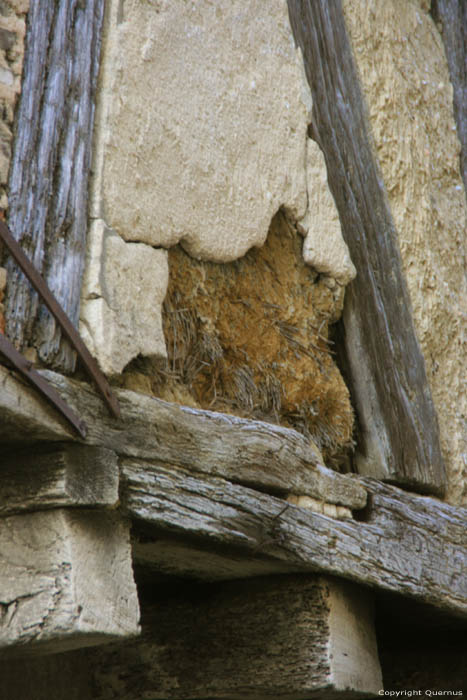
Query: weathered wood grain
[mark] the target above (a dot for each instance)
(411, 545)
(66, 581)
(259, 454)
(49, 173)
(285, 637)
(451, 17)
(399, 438)
(209, 641)
(25, 416)
(57, 476)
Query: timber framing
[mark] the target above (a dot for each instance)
(206, 493)
(48, 182)
(385, 369)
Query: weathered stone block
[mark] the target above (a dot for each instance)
(193, 131)
(123, 290)
(66, 581)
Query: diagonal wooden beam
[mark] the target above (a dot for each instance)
(399, 437)
(89, 363)
(25, 368)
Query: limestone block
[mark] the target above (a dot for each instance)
(405, 78)
(324, 247)
(124, 286)
(66, 581)
(201, 129)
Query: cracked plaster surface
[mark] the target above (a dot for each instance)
(201, 137)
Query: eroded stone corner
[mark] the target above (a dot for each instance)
(123, 290)
(66, 581)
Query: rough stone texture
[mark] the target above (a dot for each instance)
(197, 136)
(271, 637)
(201, 146)
(12, 32)
(324, 248)
(251, 338)
(66, 581)
(405, 78)
(211, 641)
(124, 286)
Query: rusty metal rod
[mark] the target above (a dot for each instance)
(26, 369)
(62, 319)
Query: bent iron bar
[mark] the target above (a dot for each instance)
(65, 324)
(26, 369)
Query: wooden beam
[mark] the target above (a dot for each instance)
(399, 438)
(285, 637)
(451, 18)
(48, 185)
(262, 455)
(290, 637)
(57, 476)
(66, 581)
(403, 543)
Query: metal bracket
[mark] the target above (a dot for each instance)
(26, 369)
(69, 331)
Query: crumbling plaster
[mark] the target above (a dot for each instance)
(201, 137)
(405, 78)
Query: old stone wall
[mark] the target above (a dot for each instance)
(204, 181)
(197, 149)
(405, 78)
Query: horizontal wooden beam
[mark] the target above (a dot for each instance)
(207, 476)
(254, 453)
(66, 581)
(57, 475)
(413, 545)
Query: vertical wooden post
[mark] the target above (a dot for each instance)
(49, 172)
(399, 439)
(452, 18)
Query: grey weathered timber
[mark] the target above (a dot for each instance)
(66, 581)
(222, 641)
(413, 545)
(451, 17)
(268, 638)
(259, 454)
(25, 416)
(399, 439)
(61, 475)
(49, 173)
